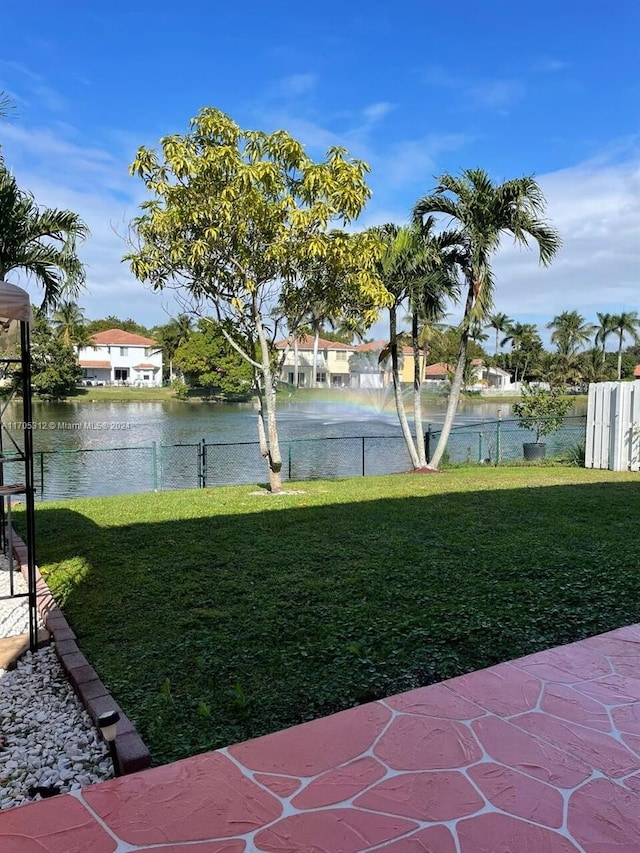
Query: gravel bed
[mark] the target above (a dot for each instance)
(48, 743)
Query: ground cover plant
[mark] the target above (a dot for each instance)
(218, 615)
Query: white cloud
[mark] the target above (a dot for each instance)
(375, 112)
(497, 95)
(548, 65)
(596, 208)
(295, 85)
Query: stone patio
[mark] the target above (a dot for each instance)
(539, 755)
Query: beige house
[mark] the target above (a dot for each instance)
(332, 363)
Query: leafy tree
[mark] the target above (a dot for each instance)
(541, 410)
(235, 221)
(626, 323)
(570, 332)
(207, 360)
(112, 322)
(443, 343)
(500, 323)
(55, 370)
(484, 212)
(41, 243)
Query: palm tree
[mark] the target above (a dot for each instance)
(414, 267)
(571, 332)
(500, 323)
(484, 212)
(173, 335)
(39, 242)
(626, 323)
(603, 330)
(435, 268)
(68, 321)
(525, 341)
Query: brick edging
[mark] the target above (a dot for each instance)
(132, 752)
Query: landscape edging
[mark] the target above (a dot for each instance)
(133, 754)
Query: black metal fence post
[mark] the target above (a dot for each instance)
(204, 464)
(363, 457)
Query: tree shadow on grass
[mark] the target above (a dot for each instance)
(216, 628)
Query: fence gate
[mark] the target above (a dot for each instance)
(613, 425)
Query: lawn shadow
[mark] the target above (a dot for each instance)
(219, 627)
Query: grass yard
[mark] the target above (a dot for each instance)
(218, 615)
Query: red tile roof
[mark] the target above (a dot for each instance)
(438, 369)
(372, 346)
(116, 337)
(95, 364)
(378, 346)
(306, 342)
(146, 366)
(636, 370)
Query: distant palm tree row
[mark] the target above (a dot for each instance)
(571, 334)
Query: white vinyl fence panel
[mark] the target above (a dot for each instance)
(613, 426)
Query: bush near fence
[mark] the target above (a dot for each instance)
(120, 470)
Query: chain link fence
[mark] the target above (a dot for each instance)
(503, 441)
(121, 470)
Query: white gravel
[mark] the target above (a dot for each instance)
(48, 743)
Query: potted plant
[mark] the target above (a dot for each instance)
(543, 412)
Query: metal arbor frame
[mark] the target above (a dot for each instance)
(20, 454)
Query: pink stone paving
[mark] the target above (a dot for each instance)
(539, 755)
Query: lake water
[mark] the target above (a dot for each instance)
(345, 435)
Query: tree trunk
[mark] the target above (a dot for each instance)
(620, 359)
(397, 390)
(314, 378)
(456, 385)
(295, 362)
(268, 437)
(417, 394)
(497, 333)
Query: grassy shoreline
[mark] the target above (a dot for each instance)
(218, 615)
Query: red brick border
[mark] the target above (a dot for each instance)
(133, 755)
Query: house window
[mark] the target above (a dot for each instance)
(121, 374)
(145, 377)
(341, 355)
(321, 377)
(124, 351)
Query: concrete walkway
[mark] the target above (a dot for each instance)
(539, 755)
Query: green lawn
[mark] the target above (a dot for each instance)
(218, 615)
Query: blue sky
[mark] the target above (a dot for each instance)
(415, 89)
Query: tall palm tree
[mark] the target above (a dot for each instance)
(414, 268)
(68, 322)
(484, 211)
(500, 323)
(435, 268)
(524, 340)
(172, 335)
(604, 328)
(570, 332)
(39, 242)
(626, 323)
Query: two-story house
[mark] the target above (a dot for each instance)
(332, 364)
(115, 357)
